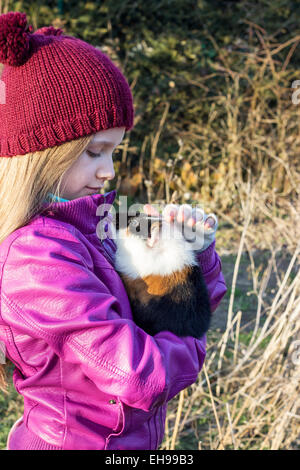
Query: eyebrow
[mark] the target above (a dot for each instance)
(102, 142)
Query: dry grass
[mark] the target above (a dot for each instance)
(248, 394)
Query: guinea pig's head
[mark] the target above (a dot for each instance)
(151, 245)
(146, 228)
(152, 232)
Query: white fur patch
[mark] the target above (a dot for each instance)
(135, 259)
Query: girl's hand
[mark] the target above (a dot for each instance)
(198, 226)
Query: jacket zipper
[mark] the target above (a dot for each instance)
(121, 420)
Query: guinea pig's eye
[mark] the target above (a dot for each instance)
(135, 224)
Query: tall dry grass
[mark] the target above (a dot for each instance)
(248, 394)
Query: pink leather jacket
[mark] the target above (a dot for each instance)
(90, 378)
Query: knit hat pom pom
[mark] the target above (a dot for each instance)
(14, 38)
(49, 31)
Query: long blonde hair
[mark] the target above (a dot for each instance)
(25, 181)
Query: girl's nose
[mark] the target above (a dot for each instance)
(106, 170)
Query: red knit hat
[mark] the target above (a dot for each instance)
(56, 88)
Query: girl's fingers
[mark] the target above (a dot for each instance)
(170, 212)
(191, 222)
(198, 215)
(150, 210)
(210, 221)
(184, 213)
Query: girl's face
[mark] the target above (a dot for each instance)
(94, 166)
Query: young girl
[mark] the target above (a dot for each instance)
(90, 378)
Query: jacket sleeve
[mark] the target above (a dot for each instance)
(50, 292)
(211, 265)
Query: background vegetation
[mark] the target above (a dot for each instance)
(215, 125)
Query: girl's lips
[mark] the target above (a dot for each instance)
(95, 189)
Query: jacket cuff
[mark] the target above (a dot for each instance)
(207, 258)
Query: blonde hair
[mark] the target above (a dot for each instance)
(25, 181)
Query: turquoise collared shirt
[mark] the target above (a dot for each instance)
(56, 198)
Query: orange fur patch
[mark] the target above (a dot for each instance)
(154, 285)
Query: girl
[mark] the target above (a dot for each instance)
(90, 378)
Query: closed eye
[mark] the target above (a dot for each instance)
(92, 154)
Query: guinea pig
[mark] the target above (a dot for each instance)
(163, 280)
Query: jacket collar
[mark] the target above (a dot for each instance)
(82, 212)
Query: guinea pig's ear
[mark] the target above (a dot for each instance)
(123, 219)
(130, 218)
(134, 216)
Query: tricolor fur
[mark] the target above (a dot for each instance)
(163, 280)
